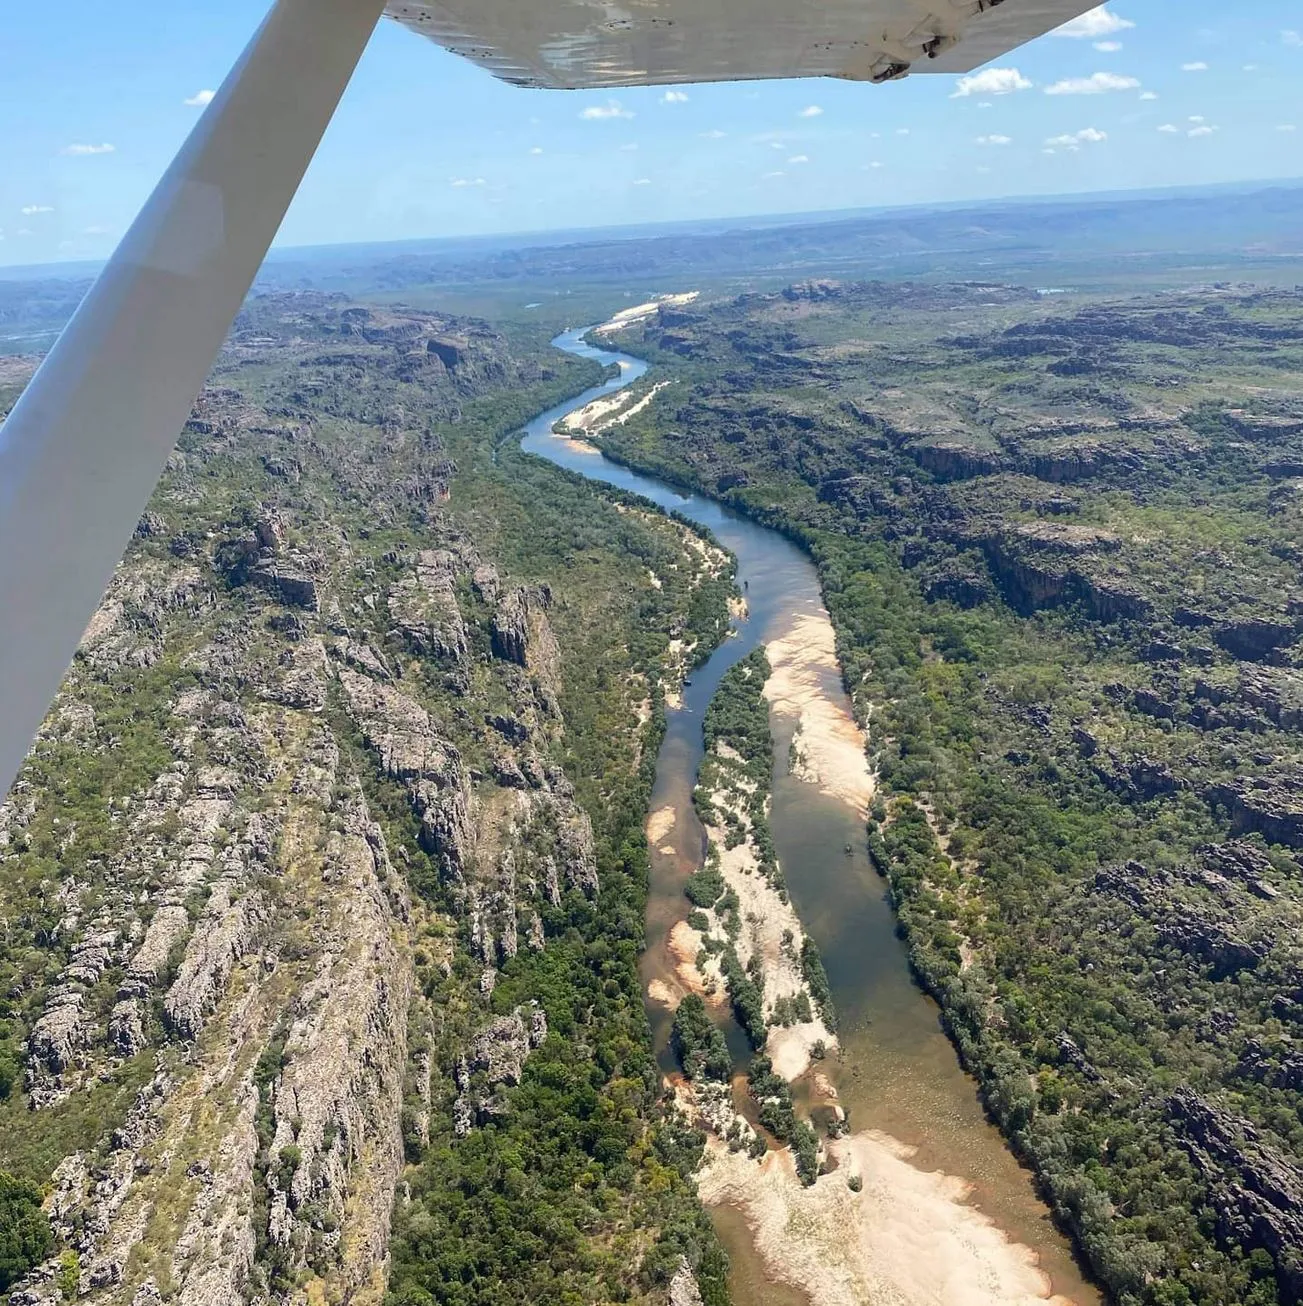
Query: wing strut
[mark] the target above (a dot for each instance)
(82, 450)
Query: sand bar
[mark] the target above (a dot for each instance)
(907, 1239)
(829, 744)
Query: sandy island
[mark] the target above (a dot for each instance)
(639, 312)
(907, 1239)
(829, 746)
(606, 412)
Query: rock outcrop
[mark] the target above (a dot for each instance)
(1257, 1191)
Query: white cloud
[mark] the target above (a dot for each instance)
(995, 140)
(1196, 117)
(799, 158)
(538, 149)
(1095, 84)
(78, 150)
(1249, 68)
(1201, 131)
(630, 148)
(29, 209)
(199, 99)
(990, 81)
(674, 97)
(96, 231)
(1075, 140)
(902, 131)
(1149, 95)
(611, 109)
(459, 182)
(1287, 127)
(778, 173)
(1108, 47)
(876, 164)
(642, 181)
(810, 111)
(714, 134)
(1097, 22)
(984, 104)
(1169, 128)
(1198, 66)
(1047, 150)
(1292, 38)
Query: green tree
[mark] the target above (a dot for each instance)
(25, 1234)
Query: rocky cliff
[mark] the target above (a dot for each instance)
(304, 799)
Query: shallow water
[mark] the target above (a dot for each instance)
(896, 1072)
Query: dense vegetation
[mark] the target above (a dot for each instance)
(1059, 545)
(698, 1042)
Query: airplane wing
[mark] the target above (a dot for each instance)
(567, 44)
(85, 444)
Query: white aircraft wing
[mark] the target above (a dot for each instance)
(613, 43)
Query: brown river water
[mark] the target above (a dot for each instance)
(896, 1072)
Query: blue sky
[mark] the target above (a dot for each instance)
(94, 101)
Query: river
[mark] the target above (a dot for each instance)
(897, 1072)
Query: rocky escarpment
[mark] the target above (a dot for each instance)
(1256, 1190)
(1270, 804)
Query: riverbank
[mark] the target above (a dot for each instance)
(895, 1072)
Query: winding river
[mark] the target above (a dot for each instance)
(897, 1073)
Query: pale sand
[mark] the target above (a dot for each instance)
(683, 944)
(576, 446)
(660, 823)
(789, 1048)
(639, 312)
(765, 919)
(604, 413)
(660, 993)
(829, 744)
(908, 1239)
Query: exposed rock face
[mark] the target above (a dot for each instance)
(337, 1103)
(410, 749)
(1269, 804)
(1253, 639)
(424, 606)
(500, 1050)
(522, 634)
(494, 1058)
(152, 525)
(1256, 1191)
(292, 585)
(683, 1287)
(1207, 933)
(225, 932)
(1243, 861)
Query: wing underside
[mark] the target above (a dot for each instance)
(601, 43)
